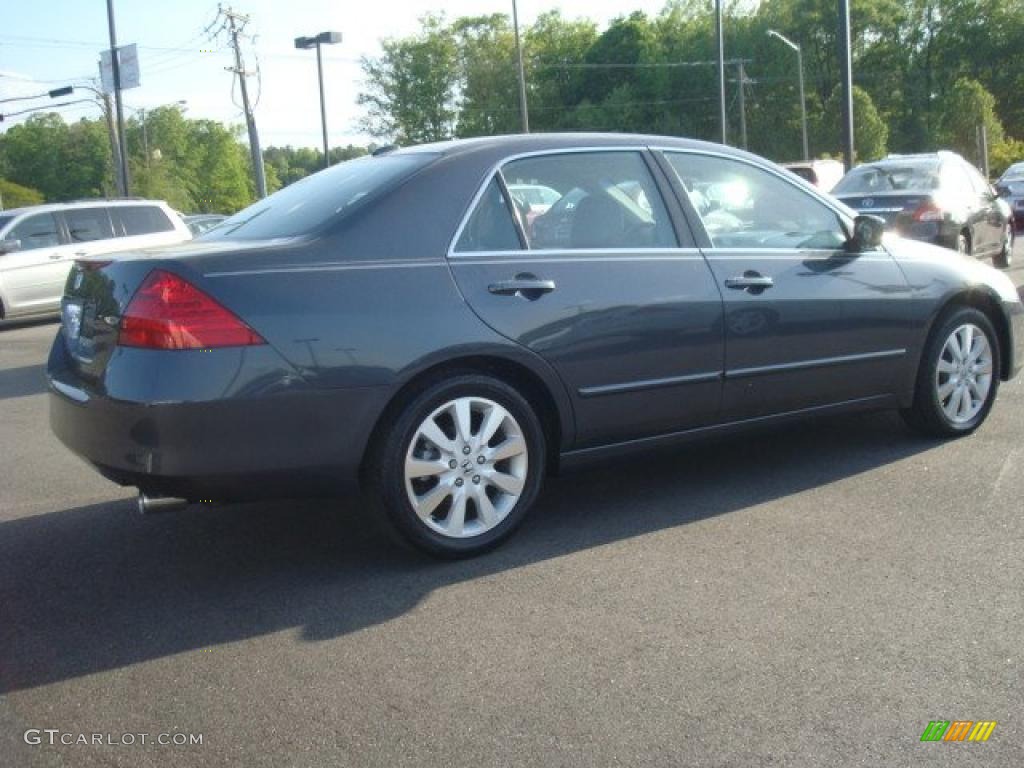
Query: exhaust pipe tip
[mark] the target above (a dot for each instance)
(149, 505)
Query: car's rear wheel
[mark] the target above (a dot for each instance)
(958, 376)
(460, 466)
(1004, 258)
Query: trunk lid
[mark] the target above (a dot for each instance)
(896, 208)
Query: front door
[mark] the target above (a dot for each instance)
(807, 323)
(600, 286)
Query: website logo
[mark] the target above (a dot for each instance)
(958, 730)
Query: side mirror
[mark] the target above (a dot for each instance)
(867, 233)
(9, 246)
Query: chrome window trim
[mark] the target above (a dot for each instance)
(789, 178)
(496, 169)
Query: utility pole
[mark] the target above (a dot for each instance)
(236, 24)
(846, 66)
(522, 73)
(743, 105)
(115, 66)
(720, 47)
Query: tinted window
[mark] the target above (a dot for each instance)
(39, 231)
(85, 224)
(743, 206)
(5, 220)
(313, 202)
(132, 220)
(490, 226)
(981, 187)
(605, 200)
(909, 176)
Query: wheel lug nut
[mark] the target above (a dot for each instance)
(476, 479)
(465, 450)
(452, 464)
(480, 459)
(458, 482)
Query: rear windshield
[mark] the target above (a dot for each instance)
(311, 203)
(920, 176)
(5, 220)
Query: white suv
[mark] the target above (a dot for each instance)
(38, 245)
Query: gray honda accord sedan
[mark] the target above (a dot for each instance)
(402, 325)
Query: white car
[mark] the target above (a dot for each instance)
(39, 244)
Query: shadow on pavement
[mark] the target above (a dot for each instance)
(96, 588)
(21, 382)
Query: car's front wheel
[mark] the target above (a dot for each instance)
(460, 465)
(958, 376)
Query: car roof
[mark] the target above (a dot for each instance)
(71, 205)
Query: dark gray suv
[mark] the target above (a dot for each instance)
(401, 324)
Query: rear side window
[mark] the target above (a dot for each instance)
(85, 224)
(130, 220)
(314, 202)
(39, 231)
(490, 227)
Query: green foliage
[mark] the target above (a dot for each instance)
(1003, 154)
(17, 196)
(914, 65)
(966, 107)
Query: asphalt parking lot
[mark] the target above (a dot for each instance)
(806, 597)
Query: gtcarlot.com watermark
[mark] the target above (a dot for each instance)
(55, 737)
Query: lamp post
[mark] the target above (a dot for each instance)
(800, 72)
(522, 73)
(103, 99)
(304, 43)
(720, 54)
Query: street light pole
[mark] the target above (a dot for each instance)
(522, 73)
(115, 65)
(846, 66)
(720, 48)
(324, 38)
(803, 98)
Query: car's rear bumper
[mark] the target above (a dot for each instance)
(298, 443)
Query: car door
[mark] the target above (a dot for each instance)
(990, 217)
(807, 323)
(605, 286)
(33, 275)
(90, 231)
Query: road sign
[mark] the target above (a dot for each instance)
(128, 59)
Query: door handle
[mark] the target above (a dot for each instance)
(751, 281)
(528, 286)
(54, 256)
(80, 254)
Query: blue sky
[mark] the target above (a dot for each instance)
(49, 43)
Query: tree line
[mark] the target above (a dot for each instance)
(926, 74)
(198, 166)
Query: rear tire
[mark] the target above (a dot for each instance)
(955, 388)
(1004, 258)
(457, 469)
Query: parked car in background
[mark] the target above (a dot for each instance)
(39, 244)
(389, 324)
(824, 174)
(200, 223)
(1010, 187)
(938, 198)
(537, 196)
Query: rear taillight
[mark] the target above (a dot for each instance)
(168, 312)
(928, 211)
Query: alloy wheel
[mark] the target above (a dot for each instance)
(963, 376)
(465, 468)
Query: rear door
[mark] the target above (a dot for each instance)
(806, 323)
(605, 286)
(33, 276)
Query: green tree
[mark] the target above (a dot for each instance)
(870, 132)
(966, 107)
(16, 196)
(411, 89)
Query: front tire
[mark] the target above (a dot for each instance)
(459, 467)
(958, 376)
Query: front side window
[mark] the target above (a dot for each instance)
(600, 200)
(131, 220)
(39, 231)
(743, 206)
(86, 224)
